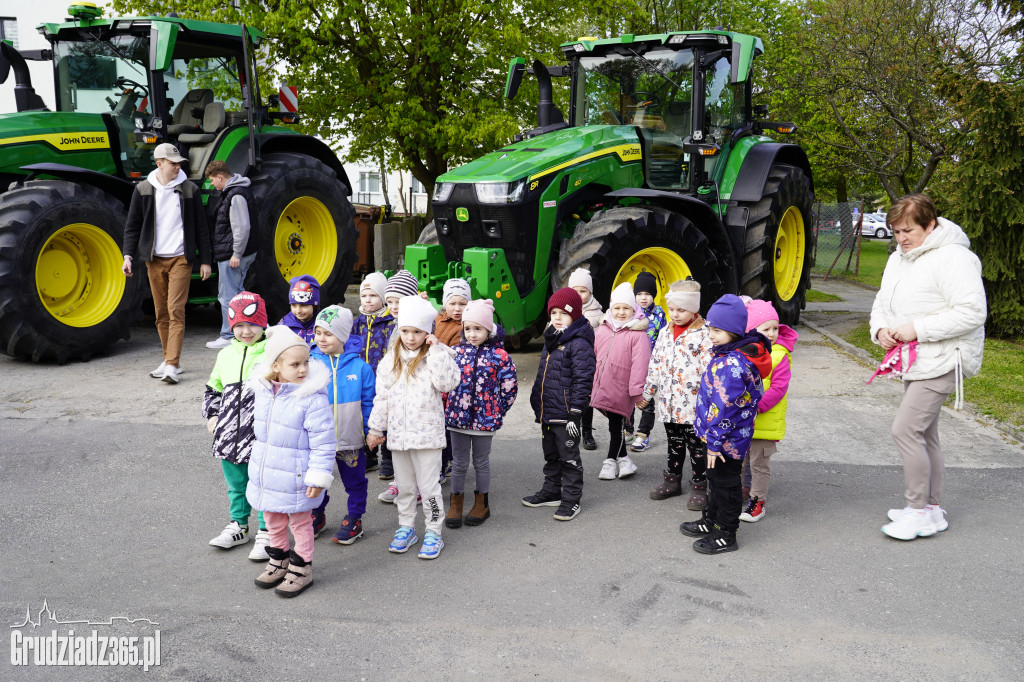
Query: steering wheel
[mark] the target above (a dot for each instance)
(138, 88)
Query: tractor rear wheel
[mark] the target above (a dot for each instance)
(62, 293)
(428, 235)
(622, 242)
(306, 228)
(778, 245)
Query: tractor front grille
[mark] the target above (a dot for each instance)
(512, 227)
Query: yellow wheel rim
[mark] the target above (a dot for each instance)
(789, 253)
(305, 241)
(666, 265)
(78, 275)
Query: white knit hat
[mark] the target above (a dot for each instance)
(581, 277)
(279, 339)
(456, 287)
(336, 320)
(416, 312)
(623, 294)
(375, 282)
(687, 300)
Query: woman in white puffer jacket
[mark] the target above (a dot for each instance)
(931, 294)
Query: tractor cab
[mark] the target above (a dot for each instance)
(152, 80)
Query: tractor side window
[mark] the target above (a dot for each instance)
(723, 102)
(218, 74)
(99, 77)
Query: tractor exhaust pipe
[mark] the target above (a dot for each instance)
(25, 97)
(545, 105)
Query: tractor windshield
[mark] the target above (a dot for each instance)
(92, 74)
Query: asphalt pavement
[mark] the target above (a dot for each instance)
(110, 495)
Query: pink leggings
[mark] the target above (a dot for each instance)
(302, 529)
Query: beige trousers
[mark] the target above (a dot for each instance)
(916, 433)
(169, 279)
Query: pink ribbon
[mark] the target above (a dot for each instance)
(893, 361)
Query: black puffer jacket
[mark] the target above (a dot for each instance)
(566, 373)
(229, 239)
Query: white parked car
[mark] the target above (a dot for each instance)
(873, 226)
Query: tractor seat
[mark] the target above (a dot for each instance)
(183, 121)
(213, 120)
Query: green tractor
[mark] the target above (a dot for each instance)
(124, 85)
(661, 164)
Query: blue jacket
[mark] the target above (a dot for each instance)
(370, 337)
(295, 443)
(487, 386)
(728, 393)
(350, 391)
(565, 374)
(306, 330)
(655, 322)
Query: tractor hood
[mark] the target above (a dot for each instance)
(543, 155)
(30, 137)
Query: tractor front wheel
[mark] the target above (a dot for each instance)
(306, 228)
(777, 250)
(622, 242)
(62, 293)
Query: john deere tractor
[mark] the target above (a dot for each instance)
(660, 163)
(122, 86)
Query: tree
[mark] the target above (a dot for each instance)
(417, 84)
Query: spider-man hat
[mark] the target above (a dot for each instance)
(247, 307)
(304, 290)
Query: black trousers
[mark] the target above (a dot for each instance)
(563, 467)
(646, 424)
(682, 438)
(725, 499)
(616, 443)
(588, 418)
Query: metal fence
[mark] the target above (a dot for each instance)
(837, 244)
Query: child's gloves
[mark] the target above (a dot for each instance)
(573, 425)
(211, 424)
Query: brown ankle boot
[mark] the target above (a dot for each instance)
(699, 499)
(454, 517)
(480, 511)
(276, 570)
(300, 576)
(671, 487)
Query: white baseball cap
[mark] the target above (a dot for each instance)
(168, 151)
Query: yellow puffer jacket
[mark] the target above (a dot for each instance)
(770, 423)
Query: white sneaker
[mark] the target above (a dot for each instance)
(389, 495)
(609, 470)
(937, 513)
(158, 373)
(910, 525)
(219, 343)
(170, 375)
(232, 536)
(259, 548)
(626, 467)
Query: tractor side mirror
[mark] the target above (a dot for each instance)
(516, 69)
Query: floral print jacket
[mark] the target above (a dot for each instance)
(487, 387)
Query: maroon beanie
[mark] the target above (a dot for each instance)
(568, 300)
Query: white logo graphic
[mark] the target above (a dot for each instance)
(92, 649)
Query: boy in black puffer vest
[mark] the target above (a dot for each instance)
(233, 248)
(560, 394)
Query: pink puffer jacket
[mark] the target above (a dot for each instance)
(622, 359)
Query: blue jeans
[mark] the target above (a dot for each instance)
(230, 283)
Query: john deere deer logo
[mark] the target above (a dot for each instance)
(462, 214)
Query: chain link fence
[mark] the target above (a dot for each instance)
(838, 234)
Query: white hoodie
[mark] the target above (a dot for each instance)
(169, 240)
(938, 287)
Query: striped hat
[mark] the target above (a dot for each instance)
(402, 283)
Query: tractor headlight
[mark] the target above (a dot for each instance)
(499, 192)
(442, 191)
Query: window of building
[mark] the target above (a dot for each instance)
(369, 182)
(9, 30)
(417, 187)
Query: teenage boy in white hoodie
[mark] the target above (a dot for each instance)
(166, 228)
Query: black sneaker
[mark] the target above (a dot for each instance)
(543, 499)
(386, 472)
(717, 542)
(588, 440)
(567, 511)
(372, 463)
(696, 529)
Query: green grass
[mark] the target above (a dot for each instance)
(815, 296)
(998, 391)
(873, 255)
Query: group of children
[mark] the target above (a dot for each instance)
(287, 403)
